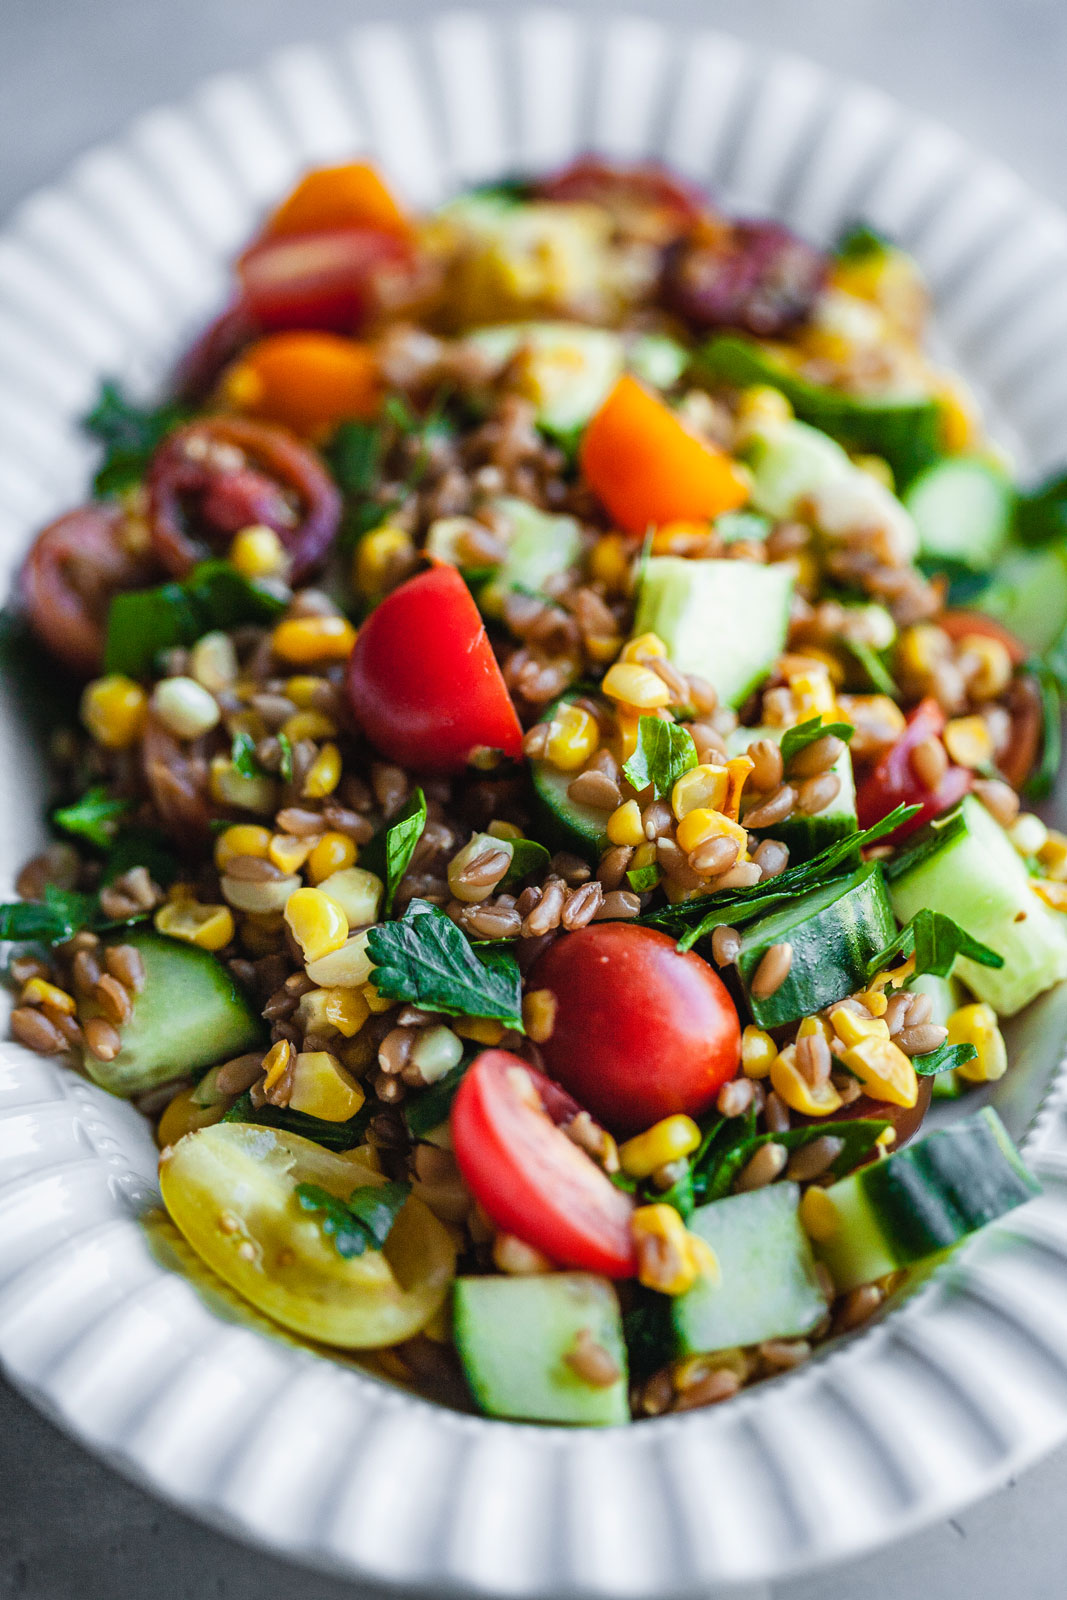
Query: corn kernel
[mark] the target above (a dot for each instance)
(627, 728)
(815, 1027)
(625, 825)
(209, 926)
(322, 1088)
(480, 1030)
(358, 893)
(573, 735)
(346, 1010)
(878, 468)
(316, 922)
(958, 417)
(435, 1052)
(884, 1070)
(185, 708)
(875, 1001)
(304, 689)
(609, 562)
(114, 711)
(504, 830)
(1053, 856)
(257, 552)
(539, 1014)
(703, 787)
(697, 827)
(288, 852)
(636, 686)
(738, 770)
(324, 774)
(346, 968)
(977, 1024)
(213, 661)
(39, 992)
(852, 1029)
(308, 725)
(332, 853)
(919, 650)
(812, 692)
(993, 672)
(643, 646)
(382, 557)
(760, 406)
(379, 1003)
(969, 742)
(679, 538)
(668, 1140)
(231, 788)
(303, 640)
(758, 1050)
(1028, 834)
(669, 1257)
(1053, 894)
(886, 1138)
(790, 1085)
(818, 1215)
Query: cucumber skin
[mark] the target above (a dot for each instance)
(807, 836)
(974, 542)
(562, 825)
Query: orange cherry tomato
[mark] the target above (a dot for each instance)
(350, 196)
(308, 380)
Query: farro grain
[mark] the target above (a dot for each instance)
(395, 1049)
(812, 1160)
(813, 1059)
(676, 865)
(68, 1026)
(710, 744)
(766, 758)
(33, 1029)
(702, 695)
(782, 1355)
(603, 761)
(594, 789)
(919, 1041)
(675, 680)
(547, 912)
(825, 1280)
(741, 876)
(591, 1362)
(494, 922)
(253, 869)
(389, 1090)
(125, 963)
(847, 1087)
(571, 868)
(734, 1097)
(929, 761)
(656, 1395)
(85, 971)
(772, 857)
(774, 809)
(390, 785)
(582, 906)
(656, 819)
(999, 799)
(239, 1074)
(618, 904)
(710, 1391)
(713, 856)
(533, 745)
(815, 794)
(23, 968)
(776, 1113)
(113, 1000)
(896, 1012)
(613, 866)
(101, 1039)
(299, 821)
(765, 1166)
(858, 1306)
(725, 943)
(920, 1010)
(816, 757)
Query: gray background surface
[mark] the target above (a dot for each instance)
(74, 71)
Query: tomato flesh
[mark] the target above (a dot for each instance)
(893, 781)
(423, 681)
(318, 280)
(641, 1031)
(529, 1177)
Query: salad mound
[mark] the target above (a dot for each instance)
(541, 713)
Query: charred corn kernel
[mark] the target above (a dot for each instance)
(636, 686)
(380, 556)
(213, 661)
(209, 926)
(435, 1052)
(874, 1000)
(288, 852)
(303, 640)
(346, 1010)
(697, 827)
(703, 786)
(738, 769)
(358, 893)
(1053, 856)
(884, 1070)
(758, 1050)
(378, 1003)
(316, 922)
(818, 1215)
(977, 1024)
(670, 1259)
(668, 1140)
(1028, 834)
(573, 735)
(480, 1030)
(643, 646)
(994, 666)
(1053, 894)
(303, 689)
(813, 1027)
(322, 1088)
(852, 1029)
(895, 977)
(275, 1062)
(919, 649)
(308, 725)
(231, 788)
(969, 742)
(39, 992)
(257, 552)
(790, 1085)
(627, 728)
(812, 692)
(609, 561)
(114, 710)
(333, 853)
(324, 773)
(185, 708)
(625, 825)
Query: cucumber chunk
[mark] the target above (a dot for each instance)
(833, 930)
(768, 1288)
(965, 866)
(513, 1336)
(807, 835)
(920, 1201)
(563, 823)
(190, 1014)
(725, 621)
(569, 368)
(1028, 594)
(963, 510)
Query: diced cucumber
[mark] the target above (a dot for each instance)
(656, 359)
(807, 835)
(190, 1014)
(768, 1288)
(565, 824)
(513, 1336)
(963, 508)
(569, 368)
(540, 547)
(965, 866)
(833, 932)
(920, 1201)
(1028, 594)
(725, 621)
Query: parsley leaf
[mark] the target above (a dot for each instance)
(55, 918)
(527, 857)
(129, 435)
(141, 847)
(425, 958)
(944, 1059)
(427, 1110)
(285, 765)
(794, 740)
(142, 622)
(94, 817)
(243, 755)
(664, 751)
(877, 673)
(363, 1221)
(731, 1143)
(389, 853)
(936, 940)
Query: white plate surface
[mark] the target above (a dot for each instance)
(106, 273)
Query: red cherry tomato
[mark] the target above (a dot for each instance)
(319, 280)
(641, 1031)
(211, 352)
(958, 624)
(423, 681)
(529, 1177)
(893, 781)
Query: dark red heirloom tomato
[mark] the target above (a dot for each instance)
(423, 681)
(529, 1177)
(210, 479)
(641, 194)
(319, 280)
(893, 781)
(640, 1031)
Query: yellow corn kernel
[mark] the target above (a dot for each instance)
(288, 852)
(760, 405)
(758, 1050)
(231, 788)
(275, 1062)
(790, 1085)
(1053, 894)
(308, 725)
(886, 1138)
(852, 1029)
(636, 686)
(739, 769)
(39, 992)
(539, 1014)
(346, 1010)
(1028, 834)
(184, 1115)
(878, 468)
(480, 1030)
(969, 742)
(358, 893)
(699, 826)
(812, 692)
(977, 1024)
(573, 735)
(380, 1003)
(919, 649)
(884, 1070)
(993, 672)
(627, 727)
(1053, 856)
(701, 787)
(625, 825)
(645, 855)
(504, 830)
(322, 1088)
(303, 689)
(813, 1027)
(602, 648)
(818, 1215)
(381, 557)
(643, 646)
(874, 1000)
(303, 640)
(668, 1140)
(257, 552)
(332, 853)
(669, 1257)
(958, 414)
(324, 774)
(609, 562)
(316, 922)
(114, 711)
(243, 839)
(211, 927)
(679, 538)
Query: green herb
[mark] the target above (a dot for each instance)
(94, 817)
(285, 764)
(424, 958)
(664, 751)
(129, 434)
(389, 853)
(794, 740)
(874, 668)
(141, 847)
(641, 879)
(1041, 515)
(331, 1135)
(860, 241)
(649, 1332)
(243, 755)
(363, 1221)
(936, 941)
(143, 622)
(1051, 676)
(527, 858)
(58, 916)
(944, 1059)
(732, 1142)
(354, 456)
(426, 1111)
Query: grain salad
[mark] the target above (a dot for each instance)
(545, 713)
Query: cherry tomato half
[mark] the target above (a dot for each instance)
(893, 781)
(529, 1177)
(423, 681)
(319, 280)
(638, 194)
(641, 1031)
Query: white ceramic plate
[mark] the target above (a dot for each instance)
(106, 273)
